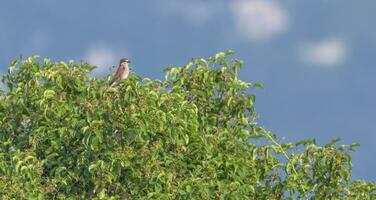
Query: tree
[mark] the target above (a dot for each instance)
(64, 135)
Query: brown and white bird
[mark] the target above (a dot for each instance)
(121, 73)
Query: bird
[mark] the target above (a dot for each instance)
(121, 73)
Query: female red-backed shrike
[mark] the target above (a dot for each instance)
(121, 73)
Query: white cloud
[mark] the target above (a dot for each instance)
(259, 19)
(103, 57)
(193, 11)
(197, 13)
(326, 53)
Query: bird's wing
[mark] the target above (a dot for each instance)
(112, 81)
(117, 75)
(118, 69)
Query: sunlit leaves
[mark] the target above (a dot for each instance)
(193, 135)
(49, 94)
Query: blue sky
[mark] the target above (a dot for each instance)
(316, 58)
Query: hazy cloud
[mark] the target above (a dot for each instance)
(103, 57)
(194, 11)
(327, 52)
(259, 19)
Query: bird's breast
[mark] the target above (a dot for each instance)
(125, 74)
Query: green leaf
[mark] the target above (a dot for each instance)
(49, 94)
(259, 85)
(220, 55)
(306, 142)
(333, 141)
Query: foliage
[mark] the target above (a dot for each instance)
(64, 135)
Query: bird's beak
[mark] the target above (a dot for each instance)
(129, 61)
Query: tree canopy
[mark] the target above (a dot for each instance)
(193, 135)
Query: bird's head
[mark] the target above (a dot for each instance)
(124, 61)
